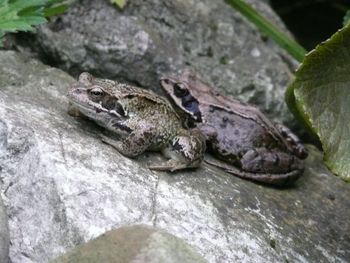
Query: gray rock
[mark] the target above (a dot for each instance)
(149, 39)
(63, 187)
(4, 231)
(134, 244)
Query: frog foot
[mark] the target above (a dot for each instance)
(171, 165)
(186, 150)
(293, 140)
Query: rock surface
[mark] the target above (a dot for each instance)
(4, 233)
(149, 39)
(135, 244)
(63, 187)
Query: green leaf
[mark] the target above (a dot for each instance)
(346, 18)
(22, 15)
(320, 96)
(56, 10)
(120, 3)
(21, 24)
(266, 27)
(56, 7)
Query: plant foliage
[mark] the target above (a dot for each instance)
(120, 3)
(346, 18)
(22, 15)
(291, 46)
(320, 96)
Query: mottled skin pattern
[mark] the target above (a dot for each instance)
(143, 120)
(250, 145)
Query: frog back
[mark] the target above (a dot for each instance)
(236, 134)
(156, 113)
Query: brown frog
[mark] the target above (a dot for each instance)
(142, 120)
(248, 144)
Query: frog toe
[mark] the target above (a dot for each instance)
(170, 165)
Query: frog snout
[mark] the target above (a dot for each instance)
(77, 91)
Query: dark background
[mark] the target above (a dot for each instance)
(312, 21)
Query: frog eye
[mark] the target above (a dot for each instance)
(96, 93)
(180, 90)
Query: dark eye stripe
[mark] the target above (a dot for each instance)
(113, 105)
(193, 107)
(108, 104)
(119, 108)
(188, 98)
(122, 127)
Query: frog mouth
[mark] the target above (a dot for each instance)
(96, 111)
(90, 106)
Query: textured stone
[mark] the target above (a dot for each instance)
(134, 244)
(149, 39)
(62, 186)
(4, 231)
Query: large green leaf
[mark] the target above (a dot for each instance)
(320, 96)
(346, 18)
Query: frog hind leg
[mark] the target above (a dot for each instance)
(134, 144)
(262, 160)
(266, 178)
(271, 166)
(186, 150)
(293, 140)
(264, 166)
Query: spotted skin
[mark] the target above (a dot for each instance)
(143, 121)
(246, 143)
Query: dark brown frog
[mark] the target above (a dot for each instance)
(248, 144)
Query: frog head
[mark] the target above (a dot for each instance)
(96, 99)
(179, 93)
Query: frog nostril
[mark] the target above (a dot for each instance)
(77, 91)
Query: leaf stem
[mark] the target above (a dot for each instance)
(291, 46)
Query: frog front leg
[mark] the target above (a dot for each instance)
(137, 142)
(293, 140)
(186, 150)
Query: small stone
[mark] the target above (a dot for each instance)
(134, 244)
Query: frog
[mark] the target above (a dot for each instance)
(138, 120)
(243, 140)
